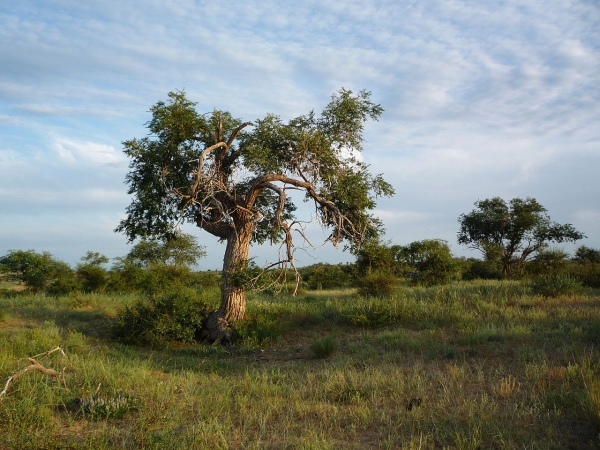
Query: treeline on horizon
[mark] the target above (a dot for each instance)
(514, 238)
(153, 266)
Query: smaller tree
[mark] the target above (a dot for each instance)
(182, 250)
(376, 256)
(588, 266)
(92, 272)
(512, 233)
(429, 262)
(33, 269)
(155, 265)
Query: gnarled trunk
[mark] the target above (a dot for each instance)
(233, 297)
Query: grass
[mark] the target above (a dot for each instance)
(473, 365)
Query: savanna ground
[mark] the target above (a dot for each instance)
(473, 365)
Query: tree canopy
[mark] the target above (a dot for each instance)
(231, 178)
(511, 233)
(31, 268)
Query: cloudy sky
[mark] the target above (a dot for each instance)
(481, 99)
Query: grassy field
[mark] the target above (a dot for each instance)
(480, 365)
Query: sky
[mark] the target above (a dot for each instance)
(481, 99)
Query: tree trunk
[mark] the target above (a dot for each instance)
(233, 297)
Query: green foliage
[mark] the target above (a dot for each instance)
(587, 266)
(548, 262)
(512, 233)
(374, 255)
(33, 269)
(158, 321)
(430, 262)
(481, 270)
(324, 346)
(560, 284)
(65, 283)
(376, 284)
(372, 313)
(257, 330)
(326, 276)
(94, 277)
(180, 250)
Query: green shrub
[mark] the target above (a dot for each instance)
(372, 313)
(557, 285)
(376, 284)
(326, 276)
(174, 317)
(257, 330)
(64, 284)
(323, 347)
(482, 270)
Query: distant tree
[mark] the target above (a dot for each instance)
(512, 233)
(211, 170)
(155, 266)
(178, 250)
(430, 262)
(377, 256)
(94, 276)
(587, 255)
(588, 266)
(33, 269)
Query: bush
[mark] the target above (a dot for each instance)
(323, 347)
(482, 270)
(159, 321)
(326, 276)
(257, 330)
(557, 285)
(65, 283)
(376, 284)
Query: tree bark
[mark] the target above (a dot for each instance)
(233, 296)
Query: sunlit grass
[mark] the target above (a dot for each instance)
(470, 365)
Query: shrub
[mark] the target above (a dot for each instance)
(376, 284)
(174, 317)
(482, 270)
(257, 330)
(64, 284)
(557, 285)
(323, 347)
(326, 276)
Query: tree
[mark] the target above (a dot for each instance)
(31, 268)
(95, 277)
(376, 256)
(430, 261)
(180, 250)
(155, 265)
(233, 182)
(512, 233)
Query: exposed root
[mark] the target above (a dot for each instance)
(216, 329)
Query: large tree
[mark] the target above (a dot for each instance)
(512, 233)
(232, 178)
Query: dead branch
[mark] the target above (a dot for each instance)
(35, 366)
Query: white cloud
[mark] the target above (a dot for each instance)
(72, 151)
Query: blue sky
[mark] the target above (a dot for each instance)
(481, 99)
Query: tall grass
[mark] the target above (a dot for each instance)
(470, 365)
